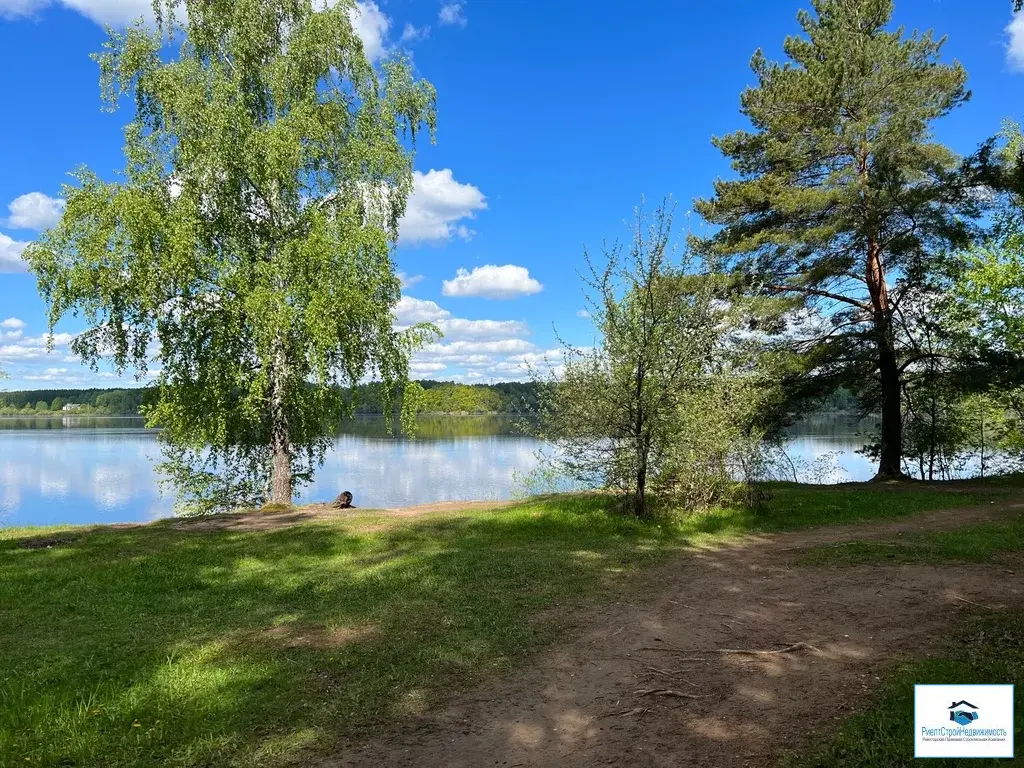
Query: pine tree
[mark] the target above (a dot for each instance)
(843, 198)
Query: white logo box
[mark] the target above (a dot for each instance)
(981, 724)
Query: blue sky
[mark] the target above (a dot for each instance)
(554, 119)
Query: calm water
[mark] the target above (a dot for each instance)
(100, 470)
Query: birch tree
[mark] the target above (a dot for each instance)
(244, 256)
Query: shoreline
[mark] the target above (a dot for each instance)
(323, 511)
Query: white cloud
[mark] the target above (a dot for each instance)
(410, 311)
(458, 328)
(1015, 44)
(13, 9)
(412, 33)
(21, 352)
(583, 313)
(33, 347)
(408, 281)
(420, 369)
(451, 14)
(116, 13)
(59, 340)
(34, 210)
(457, 348)
(10, 254)
(372, 25)
(50, 374)
(516, 360)
(437, 203)
(492, 282)
(12, 329)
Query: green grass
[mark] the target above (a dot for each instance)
(987, 542)
(158, 647)
(986, 650)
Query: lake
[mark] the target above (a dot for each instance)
(76, 469)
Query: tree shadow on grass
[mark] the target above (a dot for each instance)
(154, 646)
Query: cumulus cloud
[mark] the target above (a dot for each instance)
(30, 348)
(1015, 42)
(372, 25)
(583, 313)
(451, 14)
(410, 311)
(408, 281)
(21, 351)
(412, 33)
(49, 374)
(34, 210)
(10, 254)
(421, 369)
(456, 349)
(115, 13)
(459, 328)
(436, 206)
(12, 329)
(492, 282)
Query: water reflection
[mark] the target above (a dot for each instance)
(78, 470)
(81, 469)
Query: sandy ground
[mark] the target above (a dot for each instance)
(599, 698)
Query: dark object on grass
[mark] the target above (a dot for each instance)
(48, 543)
(344, 501)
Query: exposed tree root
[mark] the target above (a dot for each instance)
(667, 692)
(790, 649)
(628, 712)
(971, 602)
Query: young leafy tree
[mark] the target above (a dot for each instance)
(656, 406)
(247, 248)
(843, 198)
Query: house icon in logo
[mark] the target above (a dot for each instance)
(963, 712)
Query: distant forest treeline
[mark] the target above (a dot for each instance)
(438, 397)
(114, 402)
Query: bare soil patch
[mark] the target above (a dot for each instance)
(716, 657)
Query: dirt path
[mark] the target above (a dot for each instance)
(582, 703)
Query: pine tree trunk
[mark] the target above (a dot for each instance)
(280, 436)
(890, 460)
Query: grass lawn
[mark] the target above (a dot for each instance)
(985, 543)
(153, 646)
